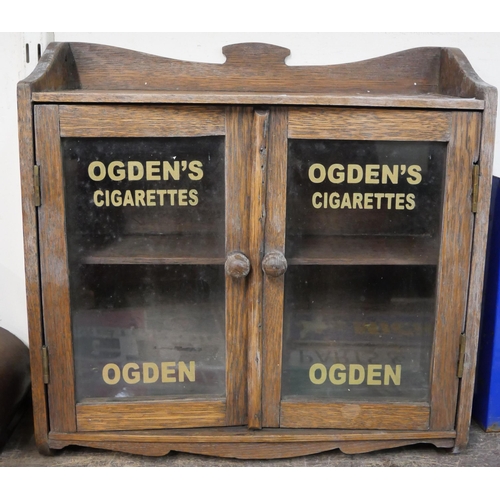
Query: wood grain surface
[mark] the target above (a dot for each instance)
(273, 287)
(258, 186)
(453, 273)
(355, 415)
(333, 98)
(54, 271)
(238, 165)
(123, 415)
(368, 124)
(141, 121)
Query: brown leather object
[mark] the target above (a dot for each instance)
(14, 381)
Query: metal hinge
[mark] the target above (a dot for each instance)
(45, 364)
(461, 356)
(475, 186)
(36, 185)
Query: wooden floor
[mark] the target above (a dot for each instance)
(483, 451)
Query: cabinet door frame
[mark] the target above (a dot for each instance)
(461, 131)
(52, 122)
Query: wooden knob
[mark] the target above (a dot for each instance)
(237, 265)
(274, 264)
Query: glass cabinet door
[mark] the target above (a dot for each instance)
(137, 197)
(354, 227)
(377, 263)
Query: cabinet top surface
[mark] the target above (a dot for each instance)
(255, 73)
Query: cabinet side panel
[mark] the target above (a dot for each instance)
(477, 268)
(27, 160)
(54, 271)
(453, 277)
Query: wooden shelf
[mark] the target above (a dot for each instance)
(363, 250)
(160, 249)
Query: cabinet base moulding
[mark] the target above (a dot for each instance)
(249, 445)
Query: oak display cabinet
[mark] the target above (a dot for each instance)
(252, 259)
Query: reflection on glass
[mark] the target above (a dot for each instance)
(148, 331)
(358, 332)
(363, 229)
(146, 236)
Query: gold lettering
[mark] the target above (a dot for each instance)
(128, 199)
(196, 170)
(322, 373)
(415, 175)
(368, 201)
(356, 374)
(389, 197)
(317, 173)
(168, 371)
(400, 199)
(334, 378)
(378, 197)
(193, 197)
(184, 371)
(118, 175)
(388, 174)
(98, 202)
(354, 173)
(153, 171)
(315, 203)
(410, 201)
(373, 372)
(135, 170)
(346, 201)
(150, 198)
(150, 373)
(357, 200)
(169, 171)
(99, 165)
(131, 377)
(116, 198)
(334, 200)
(172, 193)
(161, 193)
(182, 197)
(371, 174)
(106, 374)
(336, 178)
(390, 374)
(139, 197)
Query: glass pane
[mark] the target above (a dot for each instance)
(363, 188)
(148, 331)
(358, 332)
(362, 243)
(137, 193)
(146, 245)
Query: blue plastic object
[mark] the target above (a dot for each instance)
(486, 407)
